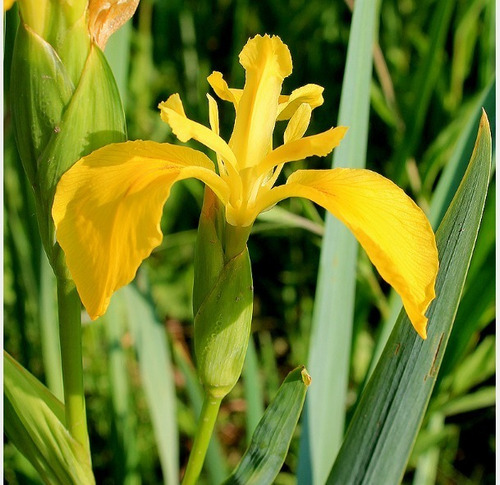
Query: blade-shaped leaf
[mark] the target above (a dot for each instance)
(155, 365)
(329, 351)
(34, 422)
(388, 417)
(267, 451)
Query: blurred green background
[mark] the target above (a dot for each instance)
(433, 67)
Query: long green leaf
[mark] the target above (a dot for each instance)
(389, 415)
(34, 422)
(126, 455)
(155, 365)
(329, 350)
(264, 457)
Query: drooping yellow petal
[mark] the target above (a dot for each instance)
(392, 229)
(222, 90)
(316, 145)
(267, 62)
(172, 112)
(311, 94)
(107, 211)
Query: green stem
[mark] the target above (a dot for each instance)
(70, 331)
(206, 424)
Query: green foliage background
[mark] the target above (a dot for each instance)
(434, 65)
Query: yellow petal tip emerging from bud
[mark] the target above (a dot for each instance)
(106, 17)
(306, 378)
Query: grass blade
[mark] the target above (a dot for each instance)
(264, 457)
(155, 365)
(388, 417)
(253, 389)
(329, 351)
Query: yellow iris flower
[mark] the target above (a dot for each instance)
(108, 206)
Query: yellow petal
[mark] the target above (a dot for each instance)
(223, 90)
(172, 112)
(392, 229)
(298, 123)
(311, 94)
(107, 211)
(213, 114)
(7, 4)
(267, 62)
(316, 145)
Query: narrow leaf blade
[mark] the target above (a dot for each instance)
(267, 451)
(329, 351)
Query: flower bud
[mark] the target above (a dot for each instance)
(222, 302)
(65, 101)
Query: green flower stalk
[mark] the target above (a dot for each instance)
(65, 104)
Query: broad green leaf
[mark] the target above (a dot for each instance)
(329, 350)
(34, 422)
(155, 365)
(264, 457)
(383, 429)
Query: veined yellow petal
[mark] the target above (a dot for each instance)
(320, 145)
(298, 123)
(267, 62)
(392, 229)
(172, 112)
(222, 90)
(312, 94)
(107, 210)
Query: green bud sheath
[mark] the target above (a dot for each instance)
(58, 120)
(223, 304)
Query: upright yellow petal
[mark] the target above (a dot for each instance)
(223, 90)
(267, 62)
(311, 94)
(392, 229)
(107, 211)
